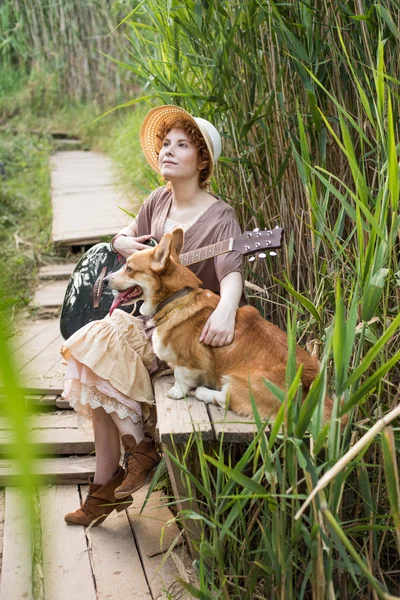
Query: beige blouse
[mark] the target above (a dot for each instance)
(218, 222)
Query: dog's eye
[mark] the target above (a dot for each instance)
(129, 269)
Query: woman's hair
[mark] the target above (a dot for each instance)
(196, 138)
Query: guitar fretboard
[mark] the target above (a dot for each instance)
(189, 258)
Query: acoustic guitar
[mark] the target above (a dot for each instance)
(87, 300)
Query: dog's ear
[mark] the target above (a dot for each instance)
(177, 242)
(162, 252)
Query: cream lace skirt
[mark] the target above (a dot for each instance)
(109, 364)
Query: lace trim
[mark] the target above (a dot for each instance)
(84, 399)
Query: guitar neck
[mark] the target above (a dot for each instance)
(194, 256)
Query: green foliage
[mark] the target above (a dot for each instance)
(64, 41)
(25, 215)
(306, 98)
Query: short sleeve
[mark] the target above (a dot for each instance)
(231, 261)
(144, 216)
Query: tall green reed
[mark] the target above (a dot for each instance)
(306, 97)
(62, 43)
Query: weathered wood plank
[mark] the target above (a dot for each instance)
(55, 433)
(60, 471)
(80, 170)
(50, 294)
(62, 403)
(179, 418)
(38, 401)
(16, 572)
(115, 559)
(231, 426)
(45, 371)
(31, 335)
(147, 527)
(63, 271)
(66, 565)
(36, 354)
(51, 384)
(50, 441)
(54, 420)
(85, 200)
(149, 524)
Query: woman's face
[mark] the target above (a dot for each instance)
(178, 158)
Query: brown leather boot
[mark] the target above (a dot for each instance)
(99, 503)
(140, 462)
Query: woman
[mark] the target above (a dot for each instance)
(109, 362)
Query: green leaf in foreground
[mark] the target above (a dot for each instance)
(392, 477)
(241, 479)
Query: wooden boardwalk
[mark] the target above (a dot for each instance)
(122, 559)
(85, 198)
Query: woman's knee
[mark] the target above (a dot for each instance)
(99, 415)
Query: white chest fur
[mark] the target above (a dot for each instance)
(163, 352)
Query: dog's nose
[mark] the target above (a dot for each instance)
(106, 280)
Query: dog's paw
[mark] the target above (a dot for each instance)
(175, 393)
(205, 394)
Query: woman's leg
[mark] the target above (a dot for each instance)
(107, 444)
(128, 427)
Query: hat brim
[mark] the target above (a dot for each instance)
(163, 115)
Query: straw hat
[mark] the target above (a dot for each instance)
(168, 114)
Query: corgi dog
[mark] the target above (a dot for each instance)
(180, 309)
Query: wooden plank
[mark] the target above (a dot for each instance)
(66, 564)
(179, 418)
(161, 574)
(46, 370)
(50, 294)
(37, 401)
(62, 403)
(37, 354)
(231, 426)
(54, 420)
(85, 199)
(40, 385)
(115, 559)
(36, 337)
(54, 433)
(63, 271)
(61, 471)
(30, 336)
(149, 524)
(80, 169)
(16, 573)
(41, 401)
(50, 441)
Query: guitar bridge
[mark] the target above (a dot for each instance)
(98, 288)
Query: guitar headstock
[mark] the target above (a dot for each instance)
(257, 241)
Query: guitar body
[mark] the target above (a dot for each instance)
(78, 307)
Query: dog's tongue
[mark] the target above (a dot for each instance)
(119, 299)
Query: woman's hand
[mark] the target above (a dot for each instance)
(127, 245)
(219, 328)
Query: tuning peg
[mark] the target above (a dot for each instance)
(252, 258)
(262, 255)
(256, 229)
(272, 253)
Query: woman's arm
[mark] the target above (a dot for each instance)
(220, 327)
(126, 241)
